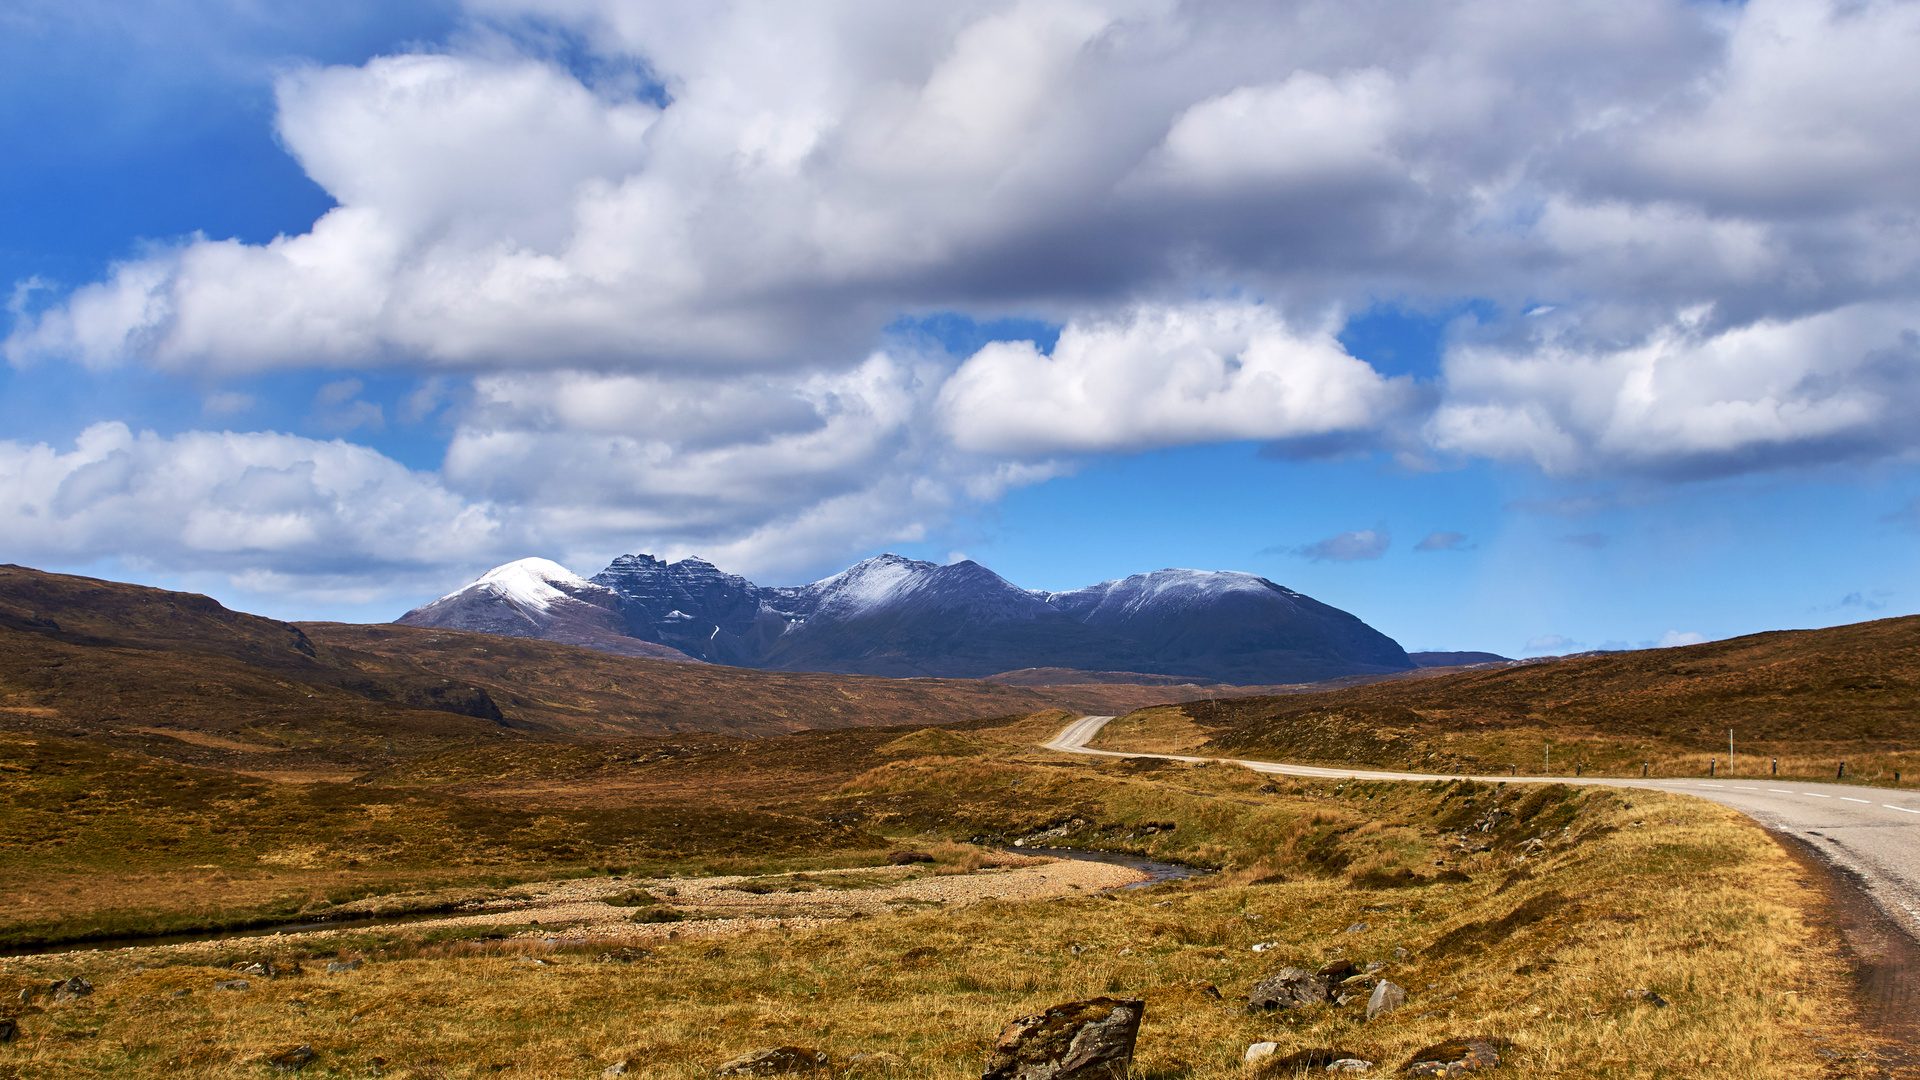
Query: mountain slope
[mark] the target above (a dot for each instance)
(1235, 627)
(894, 616)
(537, 598)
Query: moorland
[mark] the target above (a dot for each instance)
(168, 766)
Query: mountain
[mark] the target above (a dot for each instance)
(538, 598)
(901, 617)
(1234, 627)
(179, 676)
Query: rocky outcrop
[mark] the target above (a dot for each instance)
(1078, 1040)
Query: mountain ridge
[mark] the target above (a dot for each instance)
(900, 617)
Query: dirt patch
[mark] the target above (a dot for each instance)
(1885, 961)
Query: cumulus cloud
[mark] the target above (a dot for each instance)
(314, 515)
(1162, 376)
(1442, 541)
(1674, 638)
(1693, 399)
(1358, 546)
(1691, 228)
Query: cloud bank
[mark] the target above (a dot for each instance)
(663, 297)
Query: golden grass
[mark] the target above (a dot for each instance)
(1659, 893)
(1161, 730)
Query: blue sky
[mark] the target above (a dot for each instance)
(1600, 332)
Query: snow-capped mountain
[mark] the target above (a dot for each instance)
(890, 615)
(539, 598)
(1237, 627)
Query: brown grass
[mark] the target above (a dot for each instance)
(1694, 904)
(1812, 698)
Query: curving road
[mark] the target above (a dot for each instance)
(1871, 832)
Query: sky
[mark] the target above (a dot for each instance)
(1505, 326)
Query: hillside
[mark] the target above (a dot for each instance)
(1810, 694)
(179, 676)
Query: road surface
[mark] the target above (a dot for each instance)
(1872, 832)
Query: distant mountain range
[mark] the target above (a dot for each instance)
(899, 617)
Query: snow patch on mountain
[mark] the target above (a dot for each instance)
(528, 583)
(868, 585)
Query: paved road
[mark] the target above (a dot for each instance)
(1873, 832)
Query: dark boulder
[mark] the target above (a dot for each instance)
(1078, 1040)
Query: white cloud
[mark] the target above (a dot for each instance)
(1692, 399)
(1673, 638)
(667, 303)
(1307, 130)
(261, 504)
(1162, 376)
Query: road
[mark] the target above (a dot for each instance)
(1871, 832)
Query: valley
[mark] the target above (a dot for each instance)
(840, 862)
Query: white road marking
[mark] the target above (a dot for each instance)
(1710, 785)
(1902, 809)
(1739, 788)
(1779, 791)
(1815, 795)
(1843, 798)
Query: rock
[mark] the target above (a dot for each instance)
(26, 995)
(1648, 996)
(1350, 1065)
(1358, 928)
(1288, 988)
(1263, 946)
(1205, 988)
(1077, 1040)
(183, 992)
(336, 967)
(773, 1060)
(293, 1060)
(1257, 1051)
(906, 858)
(1456, 1057)
(8, 1029)
(1376, 965)
(72, 990)
(1386, 998)
(618, 1068)
(233, 984)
